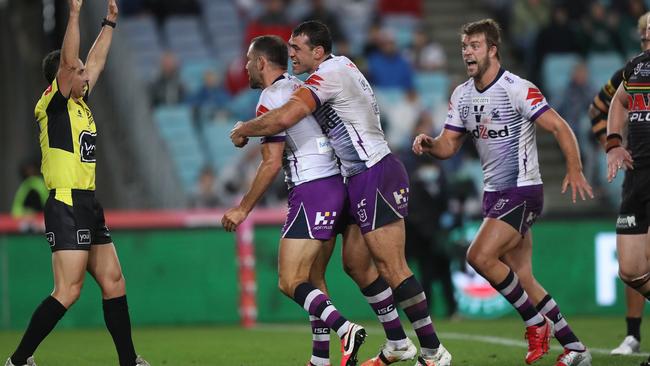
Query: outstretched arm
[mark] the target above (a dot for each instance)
(98, 52)
(69, 62)
(300, 105)
(442, 147)
(554, 123)
(266, 172)
(617, 156)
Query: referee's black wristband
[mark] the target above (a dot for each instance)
(108, 23)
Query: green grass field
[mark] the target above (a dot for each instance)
(472, 342)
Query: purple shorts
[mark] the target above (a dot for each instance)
(316, 209)
(518, 206)
(379, 195)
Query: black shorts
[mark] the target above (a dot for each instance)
(75, 227)
(635, 207)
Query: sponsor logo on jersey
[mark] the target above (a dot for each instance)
(48, 90)
(626, 222)
(324, 145)
(261, 110)
(87, 146)
(640, 116)
(638, 102)
(83, 237)
(484, 132)
(314, 80)
(480, 100)
(535, 96)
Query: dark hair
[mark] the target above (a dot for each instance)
(50, 65)
(317, 32)
(273, 48)
(489, 27)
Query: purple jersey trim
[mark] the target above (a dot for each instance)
(273, 139)
(539, 113)
(455, 128)
(316, 98)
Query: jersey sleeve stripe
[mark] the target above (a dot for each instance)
(316, 98)
(455, 128)
(539, 113)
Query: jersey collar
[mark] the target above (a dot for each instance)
(499, 74)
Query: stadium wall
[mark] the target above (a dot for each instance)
(189, 276)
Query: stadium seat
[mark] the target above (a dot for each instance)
(176, 128)
(433, 88)
(601, 67)
(556, 74)
(388, 96)
(192, 72)
(242, 106)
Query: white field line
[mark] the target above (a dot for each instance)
(501, 341)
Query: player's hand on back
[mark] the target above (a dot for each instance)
(618, 158)
(237, 138)
(422, 143)
(232, 218)
(75, 5)
(111, 14)
(579, 185)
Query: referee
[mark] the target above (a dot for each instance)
(74, 219)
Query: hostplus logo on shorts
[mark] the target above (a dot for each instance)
(324, 220)
(401, 197)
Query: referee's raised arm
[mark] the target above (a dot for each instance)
(97, 56)
(69, 63)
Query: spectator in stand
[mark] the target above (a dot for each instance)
(402, 118)
(319, 11)
(167, 88)
(387, 67)
(576, 99)
(206, 192)
(410, 7)
(599, 31)
(560, 36)
(273, 21)
(426, 55)
(32, 193)
(528, 17)
(210, 98)
(631, 11)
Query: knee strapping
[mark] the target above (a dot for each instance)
(637, 283)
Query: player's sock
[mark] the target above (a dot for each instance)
(380, 297)
(410, 297)
(116, 316)
(563, 332)
(44, 319)
(319, 305)
(320, 346)
(634, 327)
(511, 289)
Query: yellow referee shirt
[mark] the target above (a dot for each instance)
(67, 137)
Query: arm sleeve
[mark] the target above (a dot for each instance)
(529, 100)
(324, 86)
(266, 103)
(453, 121)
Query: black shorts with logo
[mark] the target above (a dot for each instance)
(75, 227)
(635, 207)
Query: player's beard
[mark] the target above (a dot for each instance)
(482, 67)
(254, 82)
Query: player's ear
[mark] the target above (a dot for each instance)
(261, 62)
(319, 52)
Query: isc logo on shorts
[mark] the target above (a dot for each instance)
(83, 237)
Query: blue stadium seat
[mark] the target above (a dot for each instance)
(388, 96)
(601, 67)
(242, 106)
(176, 129)
(433, 88)
(192, 72)
(556, 74)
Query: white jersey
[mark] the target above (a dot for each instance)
(501, 121)
(307, 153)
(347, 112)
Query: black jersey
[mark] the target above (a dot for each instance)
(636, 81)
